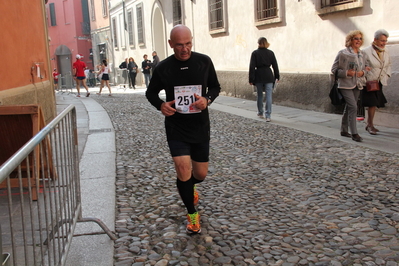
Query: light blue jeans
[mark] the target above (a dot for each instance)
(268, 88)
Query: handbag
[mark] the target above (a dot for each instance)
(335, 96)
(373, 85)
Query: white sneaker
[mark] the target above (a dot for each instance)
(268, 119)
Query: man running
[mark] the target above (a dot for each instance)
(191, 85)
(79, 75)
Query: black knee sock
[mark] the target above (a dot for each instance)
(194, 180)
(186, 191)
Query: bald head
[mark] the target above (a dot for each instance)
(179, 30)
(181, 42)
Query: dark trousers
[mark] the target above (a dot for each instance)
(133, 78)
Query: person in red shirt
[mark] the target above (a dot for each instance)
(55, 77)
(79, 74)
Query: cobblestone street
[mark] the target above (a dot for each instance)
(274, 195)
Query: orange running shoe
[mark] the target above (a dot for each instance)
(196, 196)
(193, 225)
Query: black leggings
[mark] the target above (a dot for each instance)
(133, 78)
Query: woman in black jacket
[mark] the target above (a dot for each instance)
(132, 68)
(261, 75)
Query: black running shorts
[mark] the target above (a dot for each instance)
(199, 152)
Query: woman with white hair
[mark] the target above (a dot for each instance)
(380, 63)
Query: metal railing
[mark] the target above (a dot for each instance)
(328, 3)
(39, 232)
(123, 78)
(66, 83)
(266, 9)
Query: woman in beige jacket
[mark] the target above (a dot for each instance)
(380, 63)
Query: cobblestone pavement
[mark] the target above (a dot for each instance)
(274, 196)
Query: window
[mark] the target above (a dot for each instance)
(92, 11)
(330, 6)
(68, 13)
(217, 16)
(122, 31)
(177, 18)
(130, 27)
(104, 7)
(266, 9)
(327, 3)
(53, 21)
(103, 51)
(267, 12)
(115, 33)
(86, 17)
(140, 24)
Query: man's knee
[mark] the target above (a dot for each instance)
(183, 167)
(200, 174)
(200, 170)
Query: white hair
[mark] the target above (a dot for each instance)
(380, 32)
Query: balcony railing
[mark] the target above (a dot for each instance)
(328, 3)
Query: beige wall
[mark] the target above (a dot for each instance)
(304, 42)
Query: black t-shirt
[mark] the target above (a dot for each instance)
(169, 73)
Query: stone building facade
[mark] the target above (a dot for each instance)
(305, 36)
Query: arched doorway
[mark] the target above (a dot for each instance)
(64, 65)
(158, 30)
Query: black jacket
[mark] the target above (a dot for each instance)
(259, 67)
(155, 61)
(144, 64)
(123, 65)
(131, 67)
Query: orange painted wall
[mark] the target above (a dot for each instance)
(23, 43)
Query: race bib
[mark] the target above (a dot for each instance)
(184, 96)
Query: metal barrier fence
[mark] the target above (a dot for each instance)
(66, 83)
(123, 78)
(39, 232)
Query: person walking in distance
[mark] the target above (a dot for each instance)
(133, 69)
(380, 63)
(261, 75)
(191, 85)
(146, 66)
(105, 77)
(79, 75)
(350, 64)
(55, 78)
(155, 60)
(125, 73)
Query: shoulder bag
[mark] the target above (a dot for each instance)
(374, 85)
(335, 95)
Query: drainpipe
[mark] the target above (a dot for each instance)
(112, 46)
(192, 20)
(49, 70)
